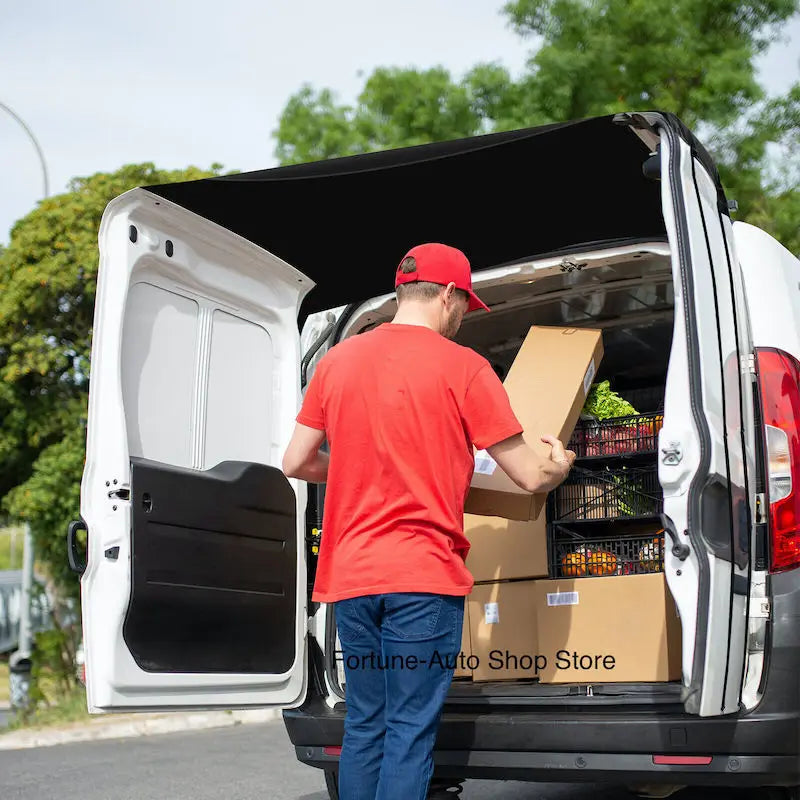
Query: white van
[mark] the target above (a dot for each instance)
(201, 554)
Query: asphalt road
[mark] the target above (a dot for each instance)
(249, 762)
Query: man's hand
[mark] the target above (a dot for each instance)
(558, 454)
(530, 471)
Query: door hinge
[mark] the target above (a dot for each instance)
(748, 364)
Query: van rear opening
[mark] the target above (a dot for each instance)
(628, 295)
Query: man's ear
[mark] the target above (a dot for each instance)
(449, 292)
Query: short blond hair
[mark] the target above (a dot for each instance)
(418, 290)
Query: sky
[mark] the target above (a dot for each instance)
(103, 83)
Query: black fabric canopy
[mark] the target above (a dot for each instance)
(501, 198)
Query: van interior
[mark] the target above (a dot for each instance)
(628, 294)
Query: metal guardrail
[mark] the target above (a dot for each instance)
(11, 605)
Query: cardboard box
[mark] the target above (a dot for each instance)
(621, 629)
(462, 669)
(503, 630)
(547, 385)
(608, 630)
(504, 549)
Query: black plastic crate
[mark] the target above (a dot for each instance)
(575, 556)
(608, 494)
(618, 436)
(648, 399)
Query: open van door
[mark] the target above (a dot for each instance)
(707, 445)
(194, 593)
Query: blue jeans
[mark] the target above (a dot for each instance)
(399, 653)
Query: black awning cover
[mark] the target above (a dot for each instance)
(501, 198)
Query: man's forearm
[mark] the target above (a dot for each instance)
(316, 470)
(553, 474)
(529, 470)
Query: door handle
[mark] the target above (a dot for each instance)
(679, 549)
(76, 559)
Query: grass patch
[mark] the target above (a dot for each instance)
(70, 708)
(57, 706)
(11, 546)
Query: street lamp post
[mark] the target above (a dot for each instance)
(35, 143)
(20, 661)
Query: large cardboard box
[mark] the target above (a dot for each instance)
(582, 630)
(503, 631)
(607, 630)
(462, 664)
(547, 385)
(505, 549)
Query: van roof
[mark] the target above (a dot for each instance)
(501, 198)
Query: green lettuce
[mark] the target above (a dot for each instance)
(603, 403)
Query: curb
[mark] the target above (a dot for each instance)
(134, 725)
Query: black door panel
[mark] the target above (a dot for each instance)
(214, 569)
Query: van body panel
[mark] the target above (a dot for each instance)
(196, 538)
(772, 280)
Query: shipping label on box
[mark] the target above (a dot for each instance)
(484, 463)
(563, 598)
(547, 386)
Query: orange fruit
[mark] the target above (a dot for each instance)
(602, 563)
(573, 565)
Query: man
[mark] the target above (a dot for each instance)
(402, 407)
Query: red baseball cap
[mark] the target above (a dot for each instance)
(440, 263)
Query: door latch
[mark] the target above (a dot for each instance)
(759, 608)
(121, 493)
(761, 509)
(672, 454)
(570, 265)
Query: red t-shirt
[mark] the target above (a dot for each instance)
(401, 407)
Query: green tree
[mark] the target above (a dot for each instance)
(48, 275)
(760, 166)
(695, 58)
(397, 106)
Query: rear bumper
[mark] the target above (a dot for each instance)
(753, 750)
(611, 768)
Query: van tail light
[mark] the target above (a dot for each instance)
(779, 381)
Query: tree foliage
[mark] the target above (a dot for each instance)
(695, 58)
(48, 276)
